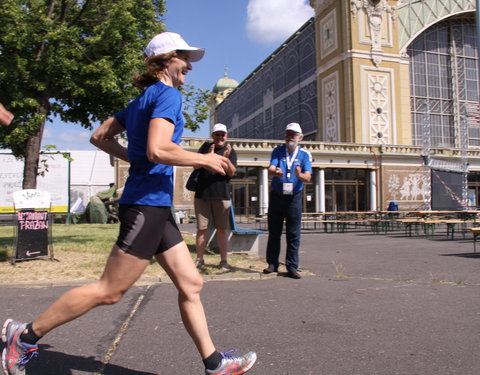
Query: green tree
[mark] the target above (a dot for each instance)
(195, 106)
(69, 58)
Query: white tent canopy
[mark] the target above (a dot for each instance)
(90, 173)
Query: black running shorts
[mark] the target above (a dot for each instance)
(147, 230)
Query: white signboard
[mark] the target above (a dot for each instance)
(31, 198)
(55, 181)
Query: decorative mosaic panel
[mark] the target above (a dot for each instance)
(328, 34)
(406, 186)
(374, 23)
(377, 106)
(330, 102)
(182, 197)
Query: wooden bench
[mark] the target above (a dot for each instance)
(326, 223)
(375, 224)
(261, 223)
(450, 223)
(341, 224)
(409, 223)
(240, 240)
(475, 231)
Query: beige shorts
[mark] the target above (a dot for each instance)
(213, 211)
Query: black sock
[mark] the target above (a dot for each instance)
(28, 336)
(212, 362)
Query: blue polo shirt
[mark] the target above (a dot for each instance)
(149, 183)
(279, 159)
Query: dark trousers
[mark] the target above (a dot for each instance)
(280, 208)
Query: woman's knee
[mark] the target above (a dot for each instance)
(112, 298)
(192, 287)
(108, 296)
(197, 283)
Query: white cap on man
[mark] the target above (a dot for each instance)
(294, 127)
(169, 42)
(219, 128)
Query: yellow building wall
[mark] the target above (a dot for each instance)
(380, 77)
(333, 73)
(403, 104)
(359, 63)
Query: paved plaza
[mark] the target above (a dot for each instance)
(371, 304)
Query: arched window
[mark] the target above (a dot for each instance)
(444, 82)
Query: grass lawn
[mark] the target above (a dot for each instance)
(81, 250)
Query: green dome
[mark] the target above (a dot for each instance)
(224, 84)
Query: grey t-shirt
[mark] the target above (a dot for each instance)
(213, 185)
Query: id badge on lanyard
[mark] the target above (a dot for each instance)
(288, 186)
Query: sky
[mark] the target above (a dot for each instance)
(238, 36)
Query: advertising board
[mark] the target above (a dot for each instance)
(56, 181)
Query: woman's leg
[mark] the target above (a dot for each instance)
(178, 264)
(121, 272)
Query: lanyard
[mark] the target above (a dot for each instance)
(290, 160)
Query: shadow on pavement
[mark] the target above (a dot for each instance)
(55, 363)
(463, 255)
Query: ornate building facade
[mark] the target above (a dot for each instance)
(387, 93)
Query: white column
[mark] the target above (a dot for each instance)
(373, 190)
(320, 190)
(263, 189)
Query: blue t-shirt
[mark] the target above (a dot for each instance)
(149, 183)
(279, 159)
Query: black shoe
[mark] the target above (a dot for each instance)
(294, 275)
(268, 270)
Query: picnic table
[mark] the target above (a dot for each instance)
(408, 223)
(475, 231)
(450, 223)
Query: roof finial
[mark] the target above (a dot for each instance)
(225, 72)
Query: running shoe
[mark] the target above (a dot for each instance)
(16, 354)
(232, 365)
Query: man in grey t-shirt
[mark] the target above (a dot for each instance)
(212, 198)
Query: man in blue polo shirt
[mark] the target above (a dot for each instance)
(290, 166)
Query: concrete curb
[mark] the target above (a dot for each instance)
(145, 281)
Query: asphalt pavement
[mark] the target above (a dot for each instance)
(369, 304)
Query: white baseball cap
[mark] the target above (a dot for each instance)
(219, 128)
(294, 127)
(169, 42)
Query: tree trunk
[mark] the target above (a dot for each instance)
(32, 153)
(32, 157)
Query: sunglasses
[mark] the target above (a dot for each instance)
(219, 134)
(291, 134)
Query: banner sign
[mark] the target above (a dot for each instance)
(32, 234)
(56, 181)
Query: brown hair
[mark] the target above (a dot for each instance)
(154, 66)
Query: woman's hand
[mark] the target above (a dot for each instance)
(215, 163)
(6, 117)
